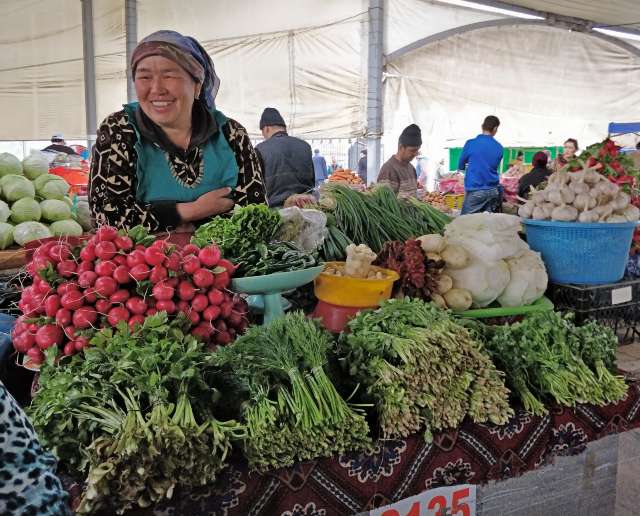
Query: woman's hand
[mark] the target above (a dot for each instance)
(207, 205)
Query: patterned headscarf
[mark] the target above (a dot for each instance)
(185, 51)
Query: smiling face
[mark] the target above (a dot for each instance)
(569, 149)
(166, 92)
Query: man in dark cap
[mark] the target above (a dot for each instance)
(286, 162)
(481, 158)
(398, 172)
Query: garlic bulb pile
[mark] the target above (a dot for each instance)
(583, 196)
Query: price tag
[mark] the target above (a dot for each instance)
(621, 295)
(443, 501)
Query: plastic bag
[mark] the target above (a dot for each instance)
(306, 228)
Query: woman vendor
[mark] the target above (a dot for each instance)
(569, 153)
(171, 159)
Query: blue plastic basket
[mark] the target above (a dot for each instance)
(588, 254)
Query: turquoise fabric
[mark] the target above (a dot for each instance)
(157, 183)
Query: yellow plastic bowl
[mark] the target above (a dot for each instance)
(354, 292)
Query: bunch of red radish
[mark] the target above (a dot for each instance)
(108, 279)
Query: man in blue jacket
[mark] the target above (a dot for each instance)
(481, 158)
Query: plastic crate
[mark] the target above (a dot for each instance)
(454, 201)
(616, 305)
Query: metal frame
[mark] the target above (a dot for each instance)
(375, 105)
(89, 62)
(131, 35)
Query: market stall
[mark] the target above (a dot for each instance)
(187, 376)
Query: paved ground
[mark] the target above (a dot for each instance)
(629, 358)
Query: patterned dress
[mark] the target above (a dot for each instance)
(28, 485)
(113, 182)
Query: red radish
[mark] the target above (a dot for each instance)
(124, 243)
(183, 306)
(186, 292)
(223, 338)
(65, 287)
(172, 282)
(66, 268)
(104, 305)
(121, 274)
(161, 244)
(36, 356)
(85, 267)
(201, 333)
(117, 314)
(190, 249)
(80, 343)
(190, 264)
(41, 262)
(173, 261)
(63, 317)
(140, 272)
(84, 317)
(69, 349)
(43, 250)
(105, 268)
(194, 317)
(106, 250)
(158, 274)
(222, 280)
(72, 300)
(51, 305)
(228, 266)
(70, 332)
(154, 256)
(136, 320)
(216, 296)
(87, 279)
(88, 253)
(119, 296)
(135, 258)
(106, 233)
(166, 305)
(220, 325)
(90, 295)
(120, 259)
(162, 291)
(211, 313)
(60, 252)
(151, 311)
(105, 286)
(140, 247)
(234, 319)
(49, 335)
(23, 342)
(203, 278)
(199, 303)
(136, 305)
(210, 255)
(226, 309)
(42, 287)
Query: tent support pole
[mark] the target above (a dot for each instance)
(89, 60)
(374, 89)
(131, 29)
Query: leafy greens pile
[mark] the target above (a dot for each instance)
(133, 414)
(547, 356)
(291, 409)
(421, 368)
(248, 226)
(376, 217)
(275, 257)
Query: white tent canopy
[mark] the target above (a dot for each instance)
(309, 58)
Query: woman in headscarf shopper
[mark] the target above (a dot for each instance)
(398, 173)
(568, 153)
(171, 159)
(538, 174)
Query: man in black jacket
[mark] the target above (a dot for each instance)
(287, 164)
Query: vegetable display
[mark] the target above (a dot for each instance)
(376, 217)
(345, 175)
(248, 226)
(421, 369)
(115, 277)
(291, 409)
(135, 414)
(546, 357)
(271, 258)
(581, 196)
